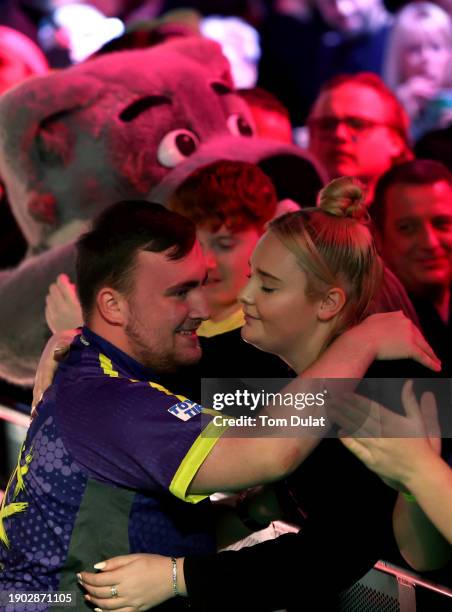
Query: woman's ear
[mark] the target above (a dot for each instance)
(331, 304)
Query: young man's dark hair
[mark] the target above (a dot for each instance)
(415, 172)
(107, 253)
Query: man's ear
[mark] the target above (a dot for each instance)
(399, 149)
(112, 306)
(331, 304)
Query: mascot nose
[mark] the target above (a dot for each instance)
(42, 207)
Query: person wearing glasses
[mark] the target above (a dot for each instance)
(357, 127)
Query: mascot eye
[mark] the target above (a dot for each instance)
(239, 126)
(176, 146)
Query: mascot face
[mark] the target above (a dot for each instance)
(75, 141)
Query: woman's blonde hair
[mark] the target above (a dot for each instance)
(333, 245)
(425, 17)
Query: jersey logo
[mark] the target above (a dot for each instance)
(185, 410)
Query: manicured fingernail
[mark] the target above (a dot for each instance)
(79, 578)
(87, 597)
(100, 566)
(97, 610)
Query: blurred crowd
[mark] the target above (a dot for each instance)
(288, 47)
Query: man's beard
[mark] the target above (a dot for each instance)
(151, 357)
(146, 355)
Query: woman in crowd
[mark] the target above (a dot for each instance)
(314, 274)
(419, 65)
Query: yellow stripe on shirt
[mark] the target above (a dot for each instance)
(193, 460)
(107, 366)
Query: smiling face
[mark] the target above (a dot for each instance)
(279, 317)
(166, 306)
(227, 255)
(417, 236)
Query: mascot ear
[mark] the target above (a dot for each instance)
(39, 129)
(207, 53)
(37, 112)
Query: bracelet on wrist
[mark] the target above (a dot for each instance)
(174, 576)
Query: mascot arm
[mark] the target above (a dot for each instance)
(23, 293)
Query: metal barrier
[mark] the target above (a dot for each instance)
(388, 588)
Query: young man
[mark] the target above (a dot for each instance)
(230, 203)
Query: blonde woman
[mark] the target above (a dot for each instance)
(418, 65)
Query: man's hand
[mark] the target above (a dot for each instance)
(416, 93)
(63, 309)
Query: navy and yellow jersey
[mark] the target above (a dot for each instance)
(104, 471)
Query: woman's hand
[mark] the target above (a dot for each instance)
(54, 351)
(391, 445)
(391, 335)
(141, 582)
(416, 93)
(63, 309)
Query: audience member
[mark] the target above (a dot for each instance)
(271, 118)
(412, 211)
(230, 203)
(358, 128)
(418, 66)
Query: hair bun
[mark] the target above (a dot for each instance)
(343, 197)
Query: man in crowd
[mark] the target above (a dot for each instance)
(271, 118)
(412, 211)
(358, 128)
